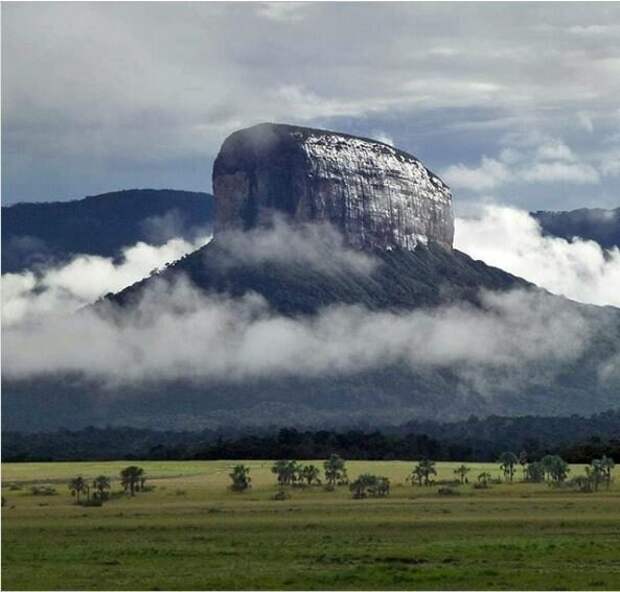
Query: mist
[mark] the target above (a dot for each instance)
(316, 245)
(513, 241)
(173, 330)
(176, 332)
(62, 289)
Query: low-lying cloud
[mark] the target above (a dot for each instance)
(62, 289)
(177, 332)
(318, 246)
(513, 241)
(173, 330)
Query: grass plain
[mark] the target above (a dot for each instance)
(192, 532)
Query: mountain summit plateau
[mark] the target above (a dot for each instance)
(375, 195)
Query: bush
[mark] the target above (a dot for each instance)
(15, 487)
(93, 502)
(241, 479)
(582, 484)
(481, 486)
(447, 491)
(43, 490)
(281, 495)
(367, 485)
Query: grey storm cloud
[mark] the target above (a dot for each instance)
(98, 96)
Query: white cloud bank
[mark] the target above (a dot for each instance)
(317, 246)
(512, 240)
(30, 296)
(178, 332)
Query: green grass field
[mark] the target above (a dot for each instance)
(191, 532)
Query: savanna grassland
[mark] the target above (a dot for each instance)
(192, 532)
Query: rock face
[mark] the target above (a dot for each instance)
(377, 196)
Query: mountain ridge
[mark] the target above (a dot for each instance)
(597, 224)
(42, 233)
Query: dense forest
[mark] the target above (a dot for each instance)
(575, 438)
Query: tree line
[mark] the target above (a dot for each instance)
(576, 439)
(551, 468)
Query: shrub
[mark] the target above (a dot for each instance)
(43, 490)
(281, 495)
(447, 491)
(370, 486)
(583, 484)
(15, 487)
(241, 479)
(93, 502)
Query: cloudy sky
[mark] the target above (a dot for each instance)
(516, 104)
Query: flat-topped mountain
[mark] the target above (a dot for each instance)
(314, 222)
(51, 232)
(375, 195)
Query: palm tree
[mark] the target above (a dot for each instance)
(240, 478)
(461, 472)
(131, 477)
(484, 478)
(595, 473)
(555, 467)
(607, 464)
(507, 462)
(523, 461)
(417, 475)
(335, 471)
(535, 472)
(547, 463)
(359, 487)
(382, 487)
(279, 469)
(559, 469)
(101, 484)
(288, 471)
(428, 469)
(310, 474)
(77, 486)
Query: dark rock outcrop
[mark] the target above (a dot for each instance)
(376, 195)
